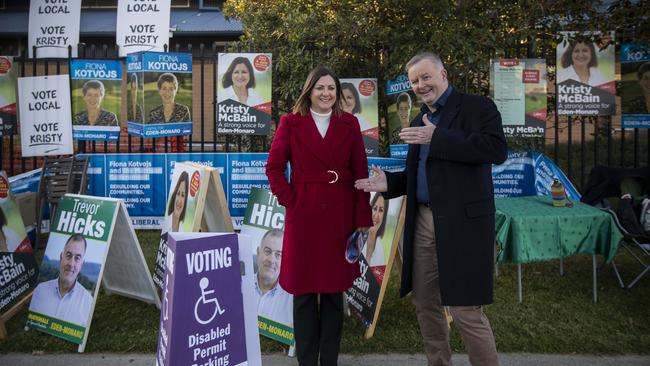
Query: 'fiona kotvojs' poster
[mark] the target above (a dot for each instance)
(159, 94)
(585, 74)
(96, 99)
(402, 108)
(635, 85)
(244, 94)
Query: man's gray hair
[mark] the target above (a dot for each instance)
(431, 56)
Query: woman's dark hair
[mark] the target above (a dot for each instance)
(355, 94)
(380, 231)
(643, 69)
(403, 98)
(567, 59)
(184, 177)
(3, 218)
(226, 80)
(304, 100)
(167, 77)
(93, 84)
(133, 77)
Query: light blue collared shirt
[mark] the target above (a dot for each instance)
(73, 307)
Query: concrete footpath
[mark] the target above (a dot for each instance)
(517, 359)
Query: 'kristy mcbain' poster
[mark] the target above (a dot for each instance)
(585, 74)
(244, 94)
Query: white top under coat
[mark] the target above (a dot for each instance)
(322, 121)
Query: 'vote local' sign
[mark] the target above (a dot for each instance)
(53, 26)
(46, 126)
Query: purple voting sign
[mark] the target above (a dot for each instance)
(202, 314)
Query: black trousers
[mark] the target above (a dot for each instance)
(317, 328)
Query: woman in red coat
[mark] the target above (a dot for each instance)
(325, 148)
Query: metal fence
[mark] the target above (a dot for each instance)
(576, 144)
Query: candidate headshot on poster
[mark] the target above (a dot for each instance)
(273, 302)
(580, 63)
(8, 82)
(641, 104)
(93, 92)
(239, 83)
(134, 111)
(169, 110)
(63, 297)
(10, 239)
(403, 105)
(360, 99)
(178, 203)
(352, 104)
(372, 248)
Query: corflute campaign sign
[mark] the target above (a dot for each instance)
(360, 99)
(91, 243)
(142, 25)
(635, 85)
(402, 108)
(46, 126)
(96, 102)
(159, 93)
(585, 74)
(377, 255)
(202, 315)
(63, 301)
(518, 88)
(18, 270)
(264, 222)
(244, 94)
(8, 83)
(53, 26)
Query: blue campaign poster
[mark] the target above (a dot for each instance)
(529, 174)
(159, 96)
(138, 179)
(96, 87)
(143, 180)
(635, 85)
(245, 171)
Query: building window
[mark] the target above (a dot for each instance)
(210, 4)
(99, 3)
(180, 3)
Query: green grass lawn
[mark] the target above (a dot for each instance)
(556, 316)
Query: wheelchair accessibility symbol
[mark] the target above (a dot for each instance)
(205, 301)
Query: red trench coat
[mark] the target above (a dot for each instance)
(319, 215)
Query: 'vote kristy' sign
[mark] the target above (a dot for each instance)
(53, 26)
(46, 126)
(142, 25)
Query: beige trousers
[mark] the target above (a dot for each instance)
(470, 321)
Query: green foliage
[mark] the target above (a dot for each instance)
(360, 38)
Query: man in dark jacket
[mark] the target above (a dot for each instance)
(449, 232)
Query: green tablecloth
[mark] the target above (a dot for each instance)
(530, 229)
